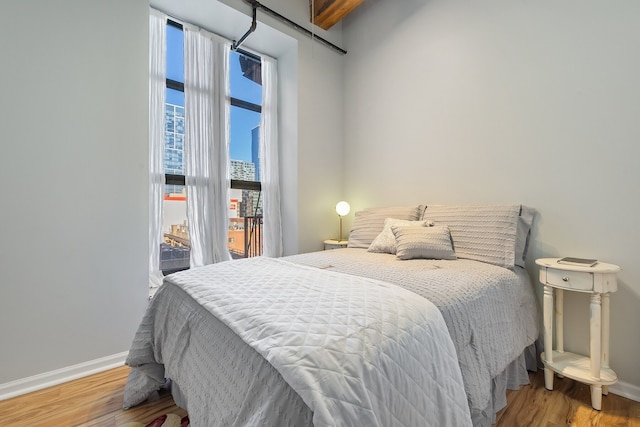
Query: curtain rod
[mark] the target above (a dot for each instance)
(256, 56)
(257, 5)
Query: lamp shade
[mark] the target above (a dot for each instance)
(343, 208)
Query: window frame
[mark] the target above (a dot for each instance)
(173, 179)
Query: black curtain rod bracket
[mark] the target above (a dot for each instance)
(251, 29)
(257, 5)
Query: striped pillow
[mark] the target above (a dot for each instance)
(488, 233)
(423, 242)
(368, 223)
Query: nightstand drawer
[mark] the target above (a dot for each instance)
(575, 280)
(334, 244)
(329, 246)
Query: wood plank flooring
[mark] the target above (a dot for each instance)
(97, 401)
(92, 401)
(569, 404)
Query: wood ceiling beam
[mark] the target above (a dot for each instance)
(326, 13)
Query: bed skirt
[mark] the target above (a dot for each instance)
(515, 376)
(512, 378)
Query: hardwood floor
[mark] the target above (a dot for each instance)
(97, 401)
(92, 401)
(569, 404)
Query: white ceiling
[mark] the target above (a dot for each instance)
(223, 20)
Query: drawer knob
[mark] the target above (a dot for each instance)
(565, 279)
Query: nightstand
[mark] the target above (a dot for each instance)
(598, 280)
(334, 244)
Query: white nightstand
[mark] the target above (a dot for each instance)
(599, 281)
(335, 244)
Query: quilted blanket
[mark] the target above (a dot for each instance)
(491, 311)
(358, 351)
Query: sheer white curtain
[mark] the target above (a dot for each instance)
(157, 83)
(269, 169)
(206, 95)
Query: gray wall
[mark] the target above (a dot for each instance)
(74, 121)
(499, 102)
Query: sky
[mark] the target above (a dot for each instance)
(241, 121)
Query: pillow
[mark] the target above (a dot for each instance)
(368, 223)
(525, 222)
(386, 241)
(495, 234)
(423, 242)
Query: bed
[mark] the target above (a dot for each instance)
(379, 333)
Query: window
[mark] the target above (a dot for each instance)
(245, 215)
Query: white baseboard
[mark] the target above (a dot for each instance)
(59, 376)
(627, 390)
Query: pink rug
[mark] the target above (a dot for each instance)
(167, 420)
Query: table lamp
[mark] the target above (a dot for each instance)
(342, 208)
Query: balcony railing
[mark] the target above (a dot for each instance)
(252, 239)
(175, 250)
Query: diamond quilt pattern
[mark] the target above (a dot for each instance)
(357, 350)
(491, 311)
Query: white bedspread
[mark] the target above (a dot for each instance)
(358, 351)
(491, 312)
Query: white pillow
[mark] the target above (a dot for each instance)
(423, 242)
(368, 223)
(386, 241)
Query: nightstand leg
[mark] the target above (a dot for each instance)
(559, 297)
(605, 330)
(548, 379)
(605, 336)
(548, 335)
(596, 397)
(595, 319)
